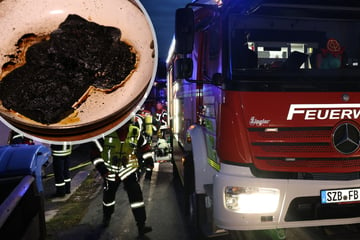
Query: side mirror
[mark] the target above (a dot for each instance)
(183, 68)
(217, 79)
(184, 30)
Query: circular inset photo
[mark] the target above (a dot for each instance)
(74, 70)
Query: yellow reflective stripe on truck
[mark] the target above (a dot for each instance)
(214, 164)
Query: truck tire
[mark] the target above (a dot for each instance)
(194, 203)
(175, 170)
(189, 182)
(198, 215)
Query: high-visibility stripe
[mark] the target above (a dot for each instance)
(147, 155)
(109, 204)
(133, 163)
(108, 153)
(66, 150)
(112, 179)
(17, 136)
(214, 164)
(140, 122)
(98, 160)
(137, 205)
(128, 174)
(148, 169)
(67, 180)
(145, 142)
(61, 154)
(113, 166)
(60, 184)
(98, 145)
(120, 174)
(110, 168)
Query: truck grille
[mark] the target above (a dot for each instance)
(299, 150)
(309, 208)
(292, 133)
(293, 147)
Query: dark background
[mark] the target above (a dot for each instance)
(162, 14)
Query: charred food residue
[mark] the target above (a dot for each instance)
(58, 71)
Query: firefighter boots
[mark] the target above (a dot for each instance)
(106, 221)
(67, 187)
(143, 229)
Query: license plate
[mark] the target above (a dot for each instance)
(340, 195)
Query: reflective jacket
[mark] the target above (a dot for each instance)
(161, 118)
(117, 156)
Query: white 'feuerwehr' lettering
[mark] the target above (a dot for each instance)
(324, 111)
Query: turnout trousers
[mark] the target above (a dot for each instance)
(61, 165)
(146, 157)
(132, 187)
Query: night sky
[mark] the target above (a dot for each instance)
(162, 14)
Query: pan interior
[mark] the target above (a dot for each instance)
(44, 16)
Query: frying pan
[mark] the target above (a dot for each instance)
(102, 112)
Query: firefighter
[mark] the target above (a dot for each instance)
(115, 160)
(61, 165)
(161, 115)
(161, 120)
(144, 121)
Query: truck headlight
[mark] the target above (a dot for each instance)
(252, 199)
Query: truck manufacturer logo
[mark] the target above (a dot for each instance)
(346, 138)
(258, 122)
(324, 111)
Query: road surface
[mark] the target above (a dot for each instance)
(163, 197)
(164, 213)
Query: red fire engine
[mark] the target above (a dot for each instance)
(264, 100)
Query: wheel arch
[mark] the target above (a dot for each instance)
(203, 172)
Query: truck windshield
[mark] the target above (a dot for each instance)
(284, 48)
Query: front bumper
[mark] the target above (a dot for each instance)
(290, 191)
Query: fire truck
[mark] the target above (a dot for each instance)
(264, 100)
